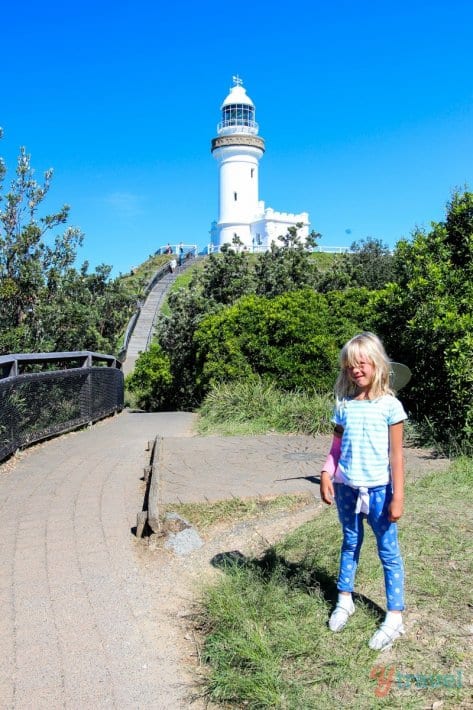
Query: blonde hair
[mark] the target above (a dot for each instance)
(364, 345)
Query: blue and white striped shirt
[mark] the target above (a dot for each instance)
(364, 457)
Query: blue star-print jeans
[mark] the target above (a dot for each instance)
(386, 539)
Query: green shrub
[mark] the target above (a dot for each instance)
(293, 339)
(151, 379)
(426, 321)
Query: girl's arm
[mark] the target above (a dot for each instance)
(397, 471)
(329, 468)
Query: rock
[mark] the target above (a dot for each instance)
(183, 542)
(174, 523)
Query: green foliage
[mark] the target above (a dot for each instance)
(293, 338)
(286, 268)
(226, 277)
(45, 303)
(151, 379)
(369, 264)
(426, 321)
(255, 406)
(175, 335)
(86, 312)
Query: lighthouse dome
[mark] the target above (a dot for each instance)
(238, 95)
(238, 112)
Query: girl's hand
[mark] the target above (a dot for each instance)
(396, 508)
(326, 488)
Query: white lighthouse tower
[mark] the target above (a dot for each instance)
(238, 149)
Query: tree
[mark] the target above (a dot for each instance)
(30, 269)
(426, 320)
(45, 303)
(175, 337)
(226, 277)
(287, 267)
(369, 263)
(88, 311)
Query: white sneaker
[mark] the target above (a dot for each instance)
(384, 637)
(340, 616)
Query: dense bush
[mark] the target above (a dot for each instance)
(368, 264)
(286, 267)
(426, 320)
(293, 339)
(150, 381)
(225, 277)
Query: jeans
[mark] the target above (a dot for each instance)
(386, 539)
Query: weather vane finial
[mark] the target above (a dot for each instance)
(237, 81)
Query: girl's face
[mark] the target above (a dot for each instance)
(362, 373)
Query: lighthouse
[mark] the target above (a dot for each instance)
(238, 149)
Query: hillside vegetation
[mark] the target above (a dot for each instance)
(281, 317)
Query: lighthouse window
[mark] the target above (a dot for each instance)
(238, 115)
(252, 172)
(235, 196)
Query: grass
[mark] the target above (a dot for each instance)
(324, 260)
(256, 407)
(206, 515)
(137, 279)
(182, 281)
(267, 644)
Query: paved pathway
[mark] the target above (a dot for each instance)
(79, 601)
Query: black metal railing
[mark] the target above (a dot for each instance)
(43, 394)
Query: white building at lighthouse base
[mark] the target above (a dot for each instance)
(263, 230)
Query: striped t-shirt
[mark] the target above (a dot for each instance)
(364, 456)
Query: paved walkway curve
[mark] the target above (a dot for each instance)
(77, 614)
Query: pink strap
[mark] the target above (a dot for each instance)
(331, 462)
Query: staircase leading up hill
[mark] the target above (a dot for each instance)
(144, 327)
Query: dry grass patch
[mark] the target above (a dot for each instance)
(206, 515)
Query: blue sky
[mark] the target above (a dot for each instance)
(366, 109)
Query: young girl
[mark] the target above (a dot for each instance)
(364, 472)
